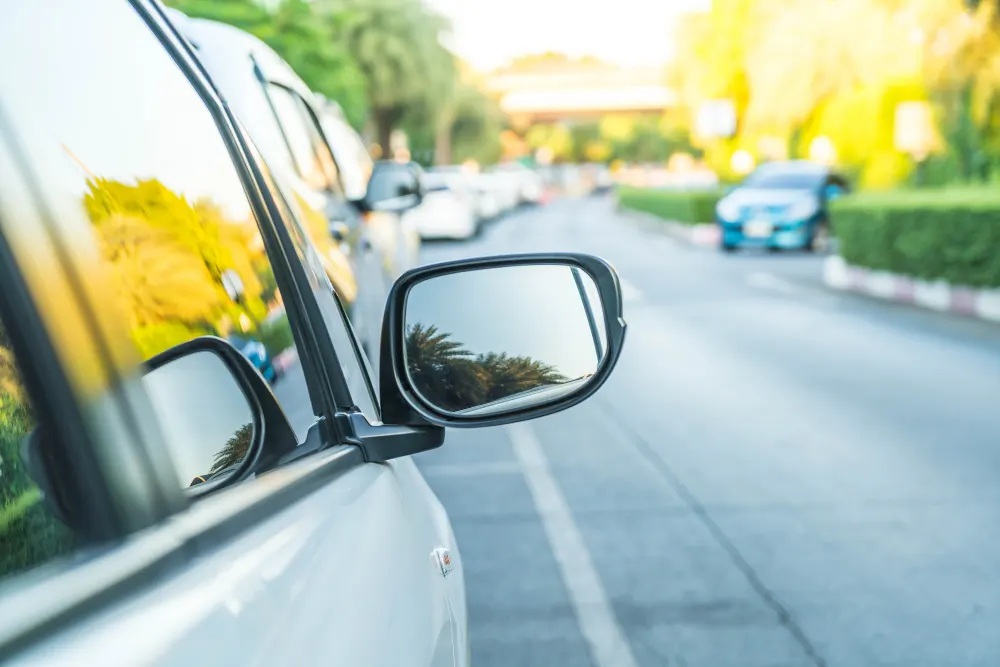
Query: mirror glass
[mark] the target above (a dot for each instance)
(204, 415)
(489, 341)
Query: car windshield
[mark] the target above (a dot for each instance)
(784, 180)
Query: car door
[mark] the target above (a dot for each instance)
(142, 225)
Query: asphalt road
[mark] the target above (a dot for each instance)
(774, 475)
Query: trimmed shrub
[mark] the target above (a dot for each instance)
(276, 336)
(951, 235)
(687, 206)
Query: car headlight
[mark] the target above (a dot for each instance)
(802, 209)
(728, 210)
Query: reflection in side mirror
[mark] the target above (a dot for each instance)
(212, 433)
(504, 339)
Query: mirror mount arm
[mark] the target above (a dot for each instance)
(385, 442)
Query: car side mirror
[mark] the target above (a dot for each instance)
(238, 430)
(394, 188)
(496, 340)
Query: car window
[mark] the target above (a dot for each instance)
(351, 155)
(127, 145)
(30, 534)
(312, 160)
(784, 180)
(320, 146)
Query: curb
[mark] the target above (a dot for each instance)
(705, 235)
(936, 295)
(285, 359)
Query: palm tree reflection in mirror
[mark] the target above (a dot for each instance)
(231, 454)
(452, 378)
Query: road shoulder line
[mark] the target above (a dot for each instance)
(598, 624)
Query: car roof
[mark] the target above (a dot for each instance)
(228, 54)
(205, 33)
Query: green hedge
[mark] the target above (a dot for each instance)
(951, 235)
(276, 336)
(687, 206)
(29, 534)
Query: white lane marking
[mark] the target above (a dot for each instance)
(470, 469)
(629, 291)
(600, 628)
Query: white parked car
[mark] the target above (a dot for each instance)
(164, 506)
(525, 182)
(448, 210)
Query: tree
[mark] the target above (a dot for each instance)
(442, 369)
(396, 44)
(167, 255)
(445, 373)
(296, 32)
(505, 375)
(235, 449)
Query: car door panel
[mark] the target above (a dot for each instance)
(333, 579)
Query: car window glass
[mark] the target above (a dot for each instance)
(30, 534)
(321, 147)
(784, 180)
(132, 148)
(300, 140)
(352, 157)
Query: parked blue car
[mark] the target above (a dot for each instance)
(255, 351)
(781, 205)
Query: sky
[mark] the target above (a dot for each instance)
(489, 33)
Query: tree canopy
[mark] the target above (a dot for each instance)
(798, 69)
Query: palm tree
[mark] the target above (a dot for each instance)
(396, 44)
(235, 449)
(442, 369)
(506, 375)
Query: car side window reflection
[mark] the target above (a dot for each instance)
(125, 140)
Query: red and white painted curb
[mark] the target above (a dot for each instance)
(934, 295)
(285, 359)
(705, 234)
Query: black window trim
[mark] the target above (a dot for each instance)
(45, 600)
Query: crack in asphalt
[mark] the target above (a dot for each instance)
(698, 509)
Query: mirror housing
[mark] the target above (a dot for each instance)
(402, 402)
(272, 435)
(394, 187)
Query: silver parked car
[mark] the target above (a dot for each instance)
(161, 503)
